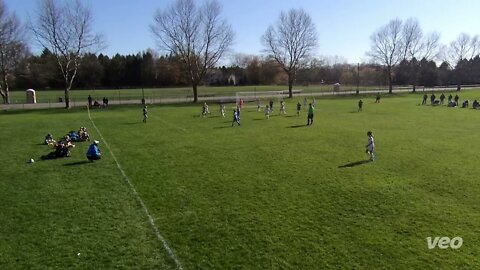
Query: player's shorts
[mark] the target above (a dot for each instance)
(310, 116)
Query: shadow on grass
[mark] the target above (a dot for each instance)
(223, 127)
(133, 123)
(258, 119)
(292, 115)
(297, 126)
(76, 163)
(353, 164)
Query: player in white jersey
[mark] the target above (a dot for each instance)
(370, 146)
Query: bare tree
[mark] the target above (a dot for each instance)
(12, 48)
(386, 48)
(464, 47)
(199, 36)
(291, 41)
(67, 31)
(417, 46)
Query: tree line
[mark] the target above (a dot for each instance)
(146, 69)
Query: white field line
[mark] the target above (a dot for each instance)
(139, 199)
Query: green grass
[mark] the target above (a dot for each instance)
(267, 194)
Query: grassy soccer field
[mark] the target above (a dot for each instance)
(270, 194)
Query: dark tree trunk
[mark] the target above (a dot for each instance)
(5, 91)
(291, 78)
(195, 93)
(389, 74)
(67, 98)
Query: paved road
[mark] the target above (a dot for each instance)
(5, 107)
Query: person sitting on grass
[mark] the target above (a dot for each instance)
(82, 132)
(67, 142)
(61, 150)
(465, 104)
(49, 139)
(475, 104)
(93, 152)
(74, 136)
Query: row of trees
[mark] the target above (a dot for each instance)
(193, 38)
(147, 69)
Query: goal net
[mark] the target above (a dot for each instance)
(262, 96)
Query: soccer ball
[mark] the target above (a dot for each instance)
(31, 160)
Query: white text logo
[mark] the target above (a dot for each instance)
(444, 242)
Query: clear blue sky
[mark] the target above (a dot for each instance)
(343, 26)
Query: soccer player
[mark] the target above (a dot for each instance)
(259, 104)
(222, 110)
(299, 107)
(311, 110)
(205, 110)
(271, 106)
(377, 99)
(282, 107)
(145, 114)
(236, 118)
(370, 146)
(314, 102)
(238, 112)
(305, 102)
(360, 105)
(424, 100)
(267, 111)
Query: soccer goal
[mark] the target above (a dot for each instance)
(260, 95)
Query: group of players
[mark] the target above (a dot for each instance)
(268, 110)
(370, 147)
(451, 101)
